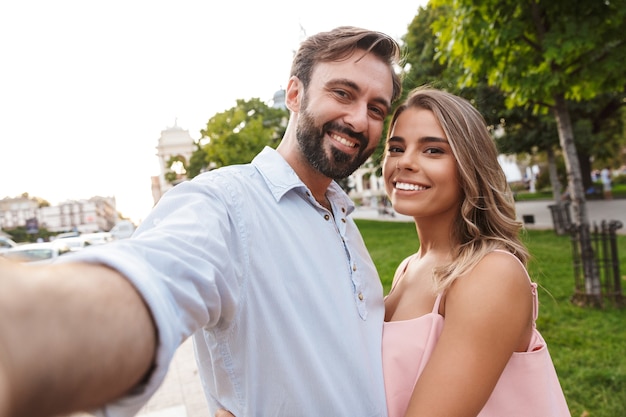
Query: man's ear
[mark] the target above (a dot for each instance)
(294, 94)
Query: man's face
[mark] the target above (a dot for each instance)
(342, 113)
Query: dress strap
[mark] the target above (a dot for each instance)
(437, 302)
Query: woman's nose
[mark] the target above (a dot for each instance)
(405, 162)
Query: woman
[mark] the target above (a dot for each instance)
(459, 335)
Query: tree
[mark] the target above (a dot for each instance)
(542, 53)
(236, 135)
(197, 161)
(420, 43)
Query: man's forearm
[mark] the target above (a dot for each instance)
(72, 337)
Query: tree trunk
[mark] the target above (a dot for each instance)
(593, 294)
(554, 176)
(585, 168)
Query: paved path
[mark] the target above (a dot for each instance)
(181, 394)
(598, 211)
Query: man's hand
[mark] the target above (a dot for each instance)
(72, 337)
(223, 413)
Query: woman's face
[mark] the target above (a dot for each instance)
(420, 170)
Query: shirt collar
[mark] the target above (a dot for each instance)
(281, 178)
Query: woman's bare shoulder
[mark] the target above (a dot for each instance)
(498, 284)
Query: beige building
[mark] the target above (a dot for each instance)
(175, 143)
(14, 212)
(85, 216)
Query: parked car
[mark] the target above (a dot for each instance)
(74, 243)
(37, 252)
(66, 235)
(98, 238)
(6, 244)
(122, 229)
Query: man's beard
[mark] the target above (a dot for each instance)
(311, 140)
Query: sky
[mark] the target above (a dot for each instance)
(86, 87)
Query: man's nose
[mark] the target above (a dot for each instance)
(357, 117)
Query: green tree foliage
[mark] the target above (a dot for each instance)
(197, 162)
(236, 135)
(421, 66)
(176, 169)
(537, 49)
(20, 234)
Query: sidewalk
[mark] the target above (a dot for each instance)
(598, 210)
(181, 394)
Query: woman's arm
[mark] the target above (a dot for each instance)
(72, 337)
(488, 316)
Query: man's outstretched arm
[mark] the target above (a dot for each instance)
(72, 337)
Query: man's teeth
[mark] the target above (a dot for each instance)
(409, 187)
(343, 141)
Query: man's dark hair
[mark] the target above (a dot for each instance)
(340, 43)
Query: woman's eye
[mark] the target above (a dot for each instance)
(394, 149)
(433, 150)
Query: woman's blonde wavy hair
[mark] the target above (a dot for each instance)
(487, 219)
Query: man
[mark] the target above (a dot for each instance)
(259, 262)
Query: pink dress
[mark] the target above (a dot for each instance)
(528, 386)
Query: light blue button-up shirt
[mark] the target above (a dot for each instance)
(281, 296)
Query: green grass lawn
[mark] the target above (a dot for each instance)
(588, 346)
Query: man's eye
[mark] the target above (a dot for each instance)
(379, 112)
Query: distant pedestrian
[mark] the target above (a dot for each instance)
(605, 176)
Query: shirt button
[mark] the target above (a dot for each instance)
(326, 216)
(343, 220)
(354, 267)
(343, 209)
(361, 296)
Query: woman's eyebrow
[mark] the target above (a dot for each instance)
(435, 139)
(423, 139)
